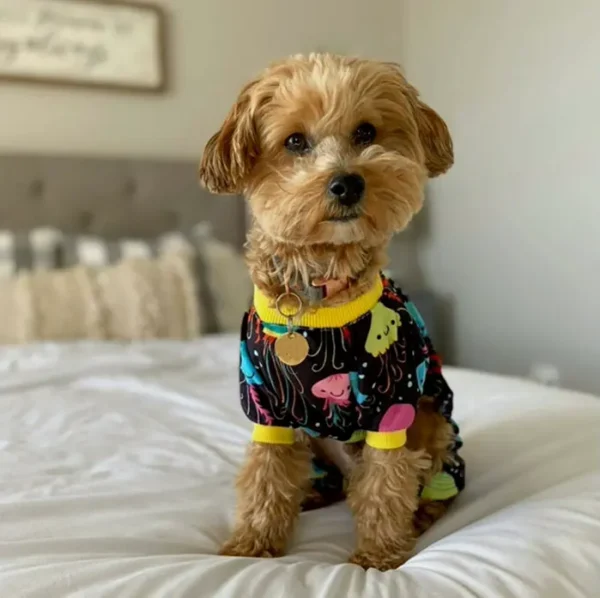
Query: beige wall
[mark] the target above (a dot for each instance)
(216, 46)
(514, 230)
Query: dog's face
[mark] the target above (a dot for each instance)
(328, 149)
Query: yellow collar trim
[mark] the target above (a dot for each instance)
(324, 317)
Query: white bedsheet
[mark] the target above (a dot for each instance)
(117, 463)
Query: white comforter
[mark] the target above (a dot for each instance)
(117, 467)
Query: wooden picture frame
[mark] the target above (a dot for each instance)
(103, 44)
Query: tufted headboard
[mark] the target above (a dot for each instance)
(112, 197)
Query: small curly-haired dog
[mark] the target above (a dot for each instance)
(337, 368)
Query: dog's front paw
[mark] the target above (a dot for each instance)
(380, 561)
(250, 545)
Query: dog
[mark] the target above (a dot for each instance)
(332, 154)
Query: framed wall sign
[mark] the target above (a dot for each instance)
(90, 43)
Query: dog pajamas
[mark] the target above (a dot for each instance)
(369, 364)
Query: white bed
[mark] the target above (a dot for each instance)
(117, 465)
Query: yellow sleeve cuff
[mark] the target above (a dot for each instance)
(273, 434)
(386, 440)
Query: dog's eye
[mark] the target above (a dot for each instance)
(364, 134)
(296, 143)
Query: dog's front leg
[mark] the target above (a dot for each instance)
(271, 487)
(384, 495)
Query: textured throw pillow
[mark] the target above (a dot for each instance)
(222, 281)
(138, 298)
(38, 249)
(225, 276)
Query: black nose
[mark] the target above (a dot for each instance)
(348, 189)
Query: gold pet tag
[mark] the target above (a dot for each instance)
(291, 348)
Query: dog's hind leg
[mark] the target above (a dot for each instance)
(429, 512)
(433, 433)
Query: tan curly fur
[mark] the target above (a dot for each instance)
(326, 97)
(271, 487)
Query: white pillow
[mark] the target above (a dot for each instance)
(227, 277)
(37, 249)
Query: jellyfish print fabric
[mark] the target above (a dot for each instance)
(361, 380)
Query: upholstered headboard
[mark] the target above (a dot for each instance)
(111, 197)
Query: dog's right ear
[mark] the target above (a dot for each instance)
(436, 139)
(231, 153)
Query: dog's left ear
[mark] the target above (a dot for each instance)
(435, 138)
(231, 153)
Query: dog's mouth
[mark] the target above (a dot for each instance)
(341, 226)
(345, 218)
(345, 215)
